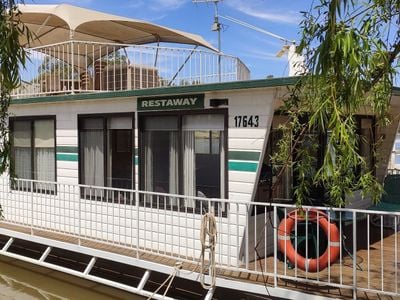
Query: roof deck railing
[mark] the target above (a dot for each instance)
(89, 67)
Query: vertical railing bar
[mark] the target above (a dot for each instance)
(275, 248)
(307, 260)
(32, 206)
(72, 62)
(247, 237)
(340, 246)
(151, 221)
(137, 223)
(328, 245)
(158, 218)
(80, 216)
(228, 217)
(111, 204)
(296, 224)
(396, 263)
(79, 67)
(354, 256)
(381, 252)
(318, 244)
(193, 215)
(131, 218)
(281, 234)
(186, 232)
(219, 239)
(93, 79)
(265, 238)
(165, 224)
(119, 215)
(237, 234)
(368, 254)
(172, 220)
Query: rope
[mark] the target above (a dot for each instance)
(169, 279)
(208, 239)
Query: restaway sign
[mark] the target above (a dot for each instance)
(171, 102)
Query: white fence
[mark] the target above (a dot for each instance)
(366, 241)
(76, 67)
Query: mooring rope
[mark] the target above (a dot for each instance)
(170, 278)
(208, 239)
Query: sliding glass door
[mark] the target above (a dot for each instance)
(184, 154)
(106, 151)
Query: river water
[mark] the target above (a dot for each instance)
(23, 281)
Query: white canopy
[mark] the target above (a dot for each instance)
(52, 24)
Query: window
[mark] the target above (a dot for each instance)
(184, 154)
(397, 159)
(33, 152)
(283, 186)
(366, 140)
(397, 146)
(106, 151)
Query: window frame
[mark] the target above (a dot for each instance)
(359, 119)
(32, 119)
(180, 114)
(323, 138)
(104, 117)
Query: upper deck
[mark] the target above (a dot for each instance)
(90, 67)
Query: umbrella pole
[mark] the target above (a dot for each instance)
(155, 59)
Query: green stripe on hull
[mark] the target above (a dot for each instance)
(67, 156)
(67, 149)
(244, 155)
(242, 166)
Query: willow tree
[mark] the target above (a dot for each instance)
(12, 58)
(351, 51)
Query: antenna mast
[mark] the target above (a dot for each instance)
(216, 26)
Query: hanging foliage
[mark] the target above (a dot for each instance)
(351, 53)
(12, 57)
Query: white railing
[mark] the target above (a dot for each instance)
(366, 241)
(393, 171)
(77, 66)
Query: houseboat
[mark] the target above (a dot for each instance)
(121, 146)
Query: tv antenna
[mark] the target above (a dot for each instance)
(296, 61)
(216, 26)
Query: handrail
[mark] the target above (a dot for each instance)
(168, 225)
(85, 66)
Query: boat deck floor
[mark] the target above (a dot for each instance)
(376, 267)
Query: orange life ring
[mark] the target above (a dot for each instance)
(285, 245)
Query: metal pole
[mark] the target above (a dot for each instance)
(218, 29)
(354, 255)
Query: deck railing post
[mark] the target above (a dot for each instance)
(247, 237)
(354, 255)
(137, 222)
(72, 68)
(79, 216)
(275, 248)
(32, 207)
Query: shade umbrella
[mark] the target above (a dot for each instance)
(52, 24)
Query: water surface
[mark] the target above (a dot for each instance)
(23, 281)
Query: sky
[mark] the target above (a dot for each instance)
(257, 50)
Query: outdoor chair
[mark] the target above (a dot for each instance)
(390, 202)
